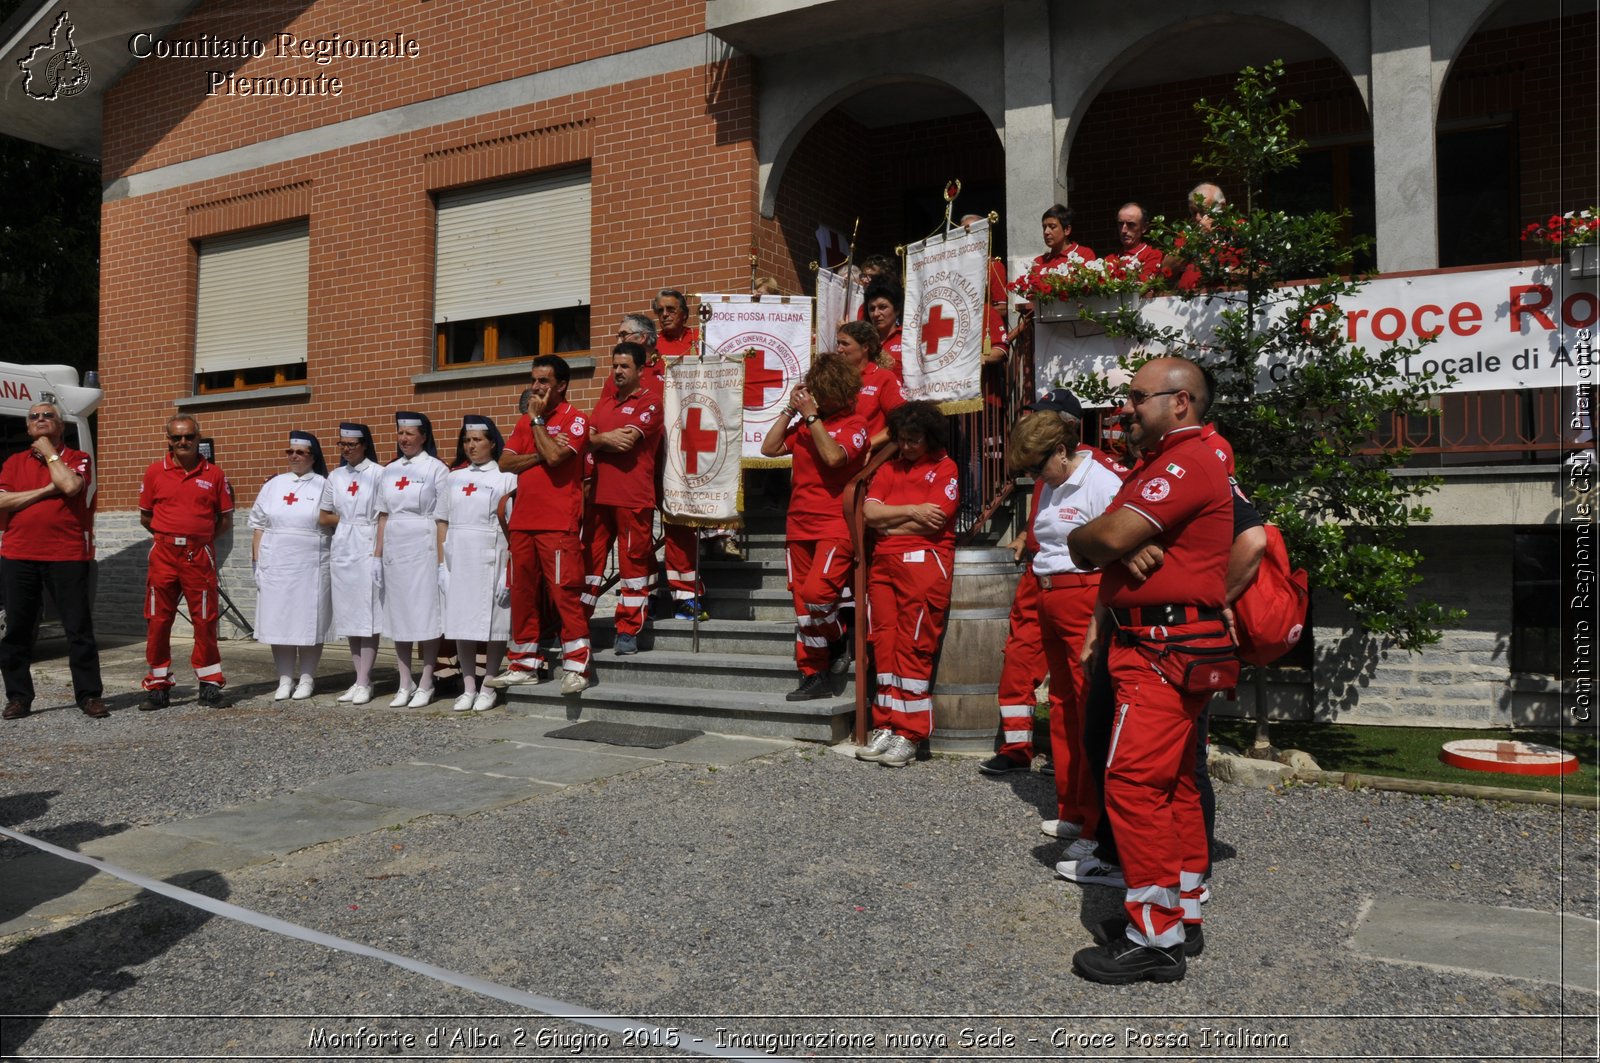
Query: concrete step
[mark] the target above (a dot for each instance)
(760, 603)
(765, 637)
(768, 572)
(662, 672)
(703, 708)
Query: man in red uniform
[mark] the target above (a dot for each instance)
(1178, 499)
(48, 520)
(624, 436)
(185, 502)
(1132, 225)
(545, 451)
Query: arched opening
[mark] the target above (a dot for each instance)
(1516, 129)
(882, 155)
(1138, 137)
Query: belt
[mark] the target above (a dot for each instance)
(1057, 580)
(181, 540)
(1164, 615)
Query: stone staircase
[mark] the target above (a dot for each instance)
(735, 684)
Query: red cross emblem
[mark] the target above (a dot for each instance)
(290, 499)
(759, 378)
(467, 490)
(936, 329)
(353, 488)
(401, 484)
(695, 441)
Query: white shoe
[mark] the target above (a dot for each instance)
(349, 695)
(463, 703)
(512, 677)
(574, 682)
(484, 700)
(302, 689)
(359, 695)
(285, 688)
(422, 698)
(402, 697)
(1060, 828)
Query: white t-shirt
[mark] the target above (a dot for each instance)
(1082, 497)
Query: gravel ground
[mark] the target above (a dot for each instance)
(856, 900)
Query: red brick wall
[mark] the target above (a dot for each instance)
(678, 216)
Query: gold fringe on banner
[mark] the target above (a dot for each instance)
(961, 406)
(765, 463)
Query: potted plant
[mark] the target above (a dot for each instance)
(1079, 289)
(1577, 232)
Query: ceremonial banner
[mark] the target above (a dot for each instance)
(772, 336)
(838, 301)
(700, 480)
(943, 324)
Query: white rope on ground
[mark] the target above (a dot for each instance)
(556, 1009)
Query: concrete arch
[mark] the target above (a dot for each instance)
(1454, 24)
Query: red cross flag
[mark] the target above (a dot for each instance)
(771, 336)
(943, 324)
(704, 406)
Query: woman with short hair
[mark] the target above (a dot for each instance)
(289, 562)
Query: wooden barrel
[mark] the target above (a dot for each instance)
(966, 676)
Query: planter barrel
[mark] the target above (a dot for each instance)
(966, 678)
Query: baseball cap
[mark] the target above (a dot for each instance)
(1060, 400)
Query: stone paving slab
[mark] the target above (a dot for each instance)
(293, 821)
(718, 749)
(1480, 939)
(545, 762)
(38, 888)
(432, 788)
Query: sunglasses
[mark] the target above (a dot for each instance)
(1135, 397)
(292, 453)
(183, 437)
(43, 416)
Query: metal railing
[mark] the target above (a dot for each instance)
(1513, 427)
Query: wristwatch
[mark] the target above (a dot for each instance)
(539, 421)
(810, 418)
(53, 457)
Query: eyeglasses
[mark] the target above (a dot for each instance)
(292, 453)
(46, 415)
(351, 443)
(183, 437)
(1135, 397)
(625, 335)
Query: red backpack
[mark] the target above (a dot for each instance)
(1270, 615)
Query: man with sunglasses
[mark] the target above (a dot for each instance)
(186, 502)
(49, 543)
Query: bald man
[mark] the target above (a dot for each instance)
(1169, 652)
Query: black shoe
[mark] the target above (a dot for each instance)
(1123, 962)
(210, 694)
(1000, 764)
(811, 688)
(1194, 941)
(842, 654)
(158, 698)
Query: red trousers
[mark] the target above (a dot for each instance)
(908, 598)
(636, 561)
(1022, 669)
(547, 563)
(819, 575)
(191, 570)
(1151, 795)
(1064, 613)
(682, 556)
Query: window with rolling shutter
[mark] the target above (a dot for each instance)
(511, 269)
(250, 315)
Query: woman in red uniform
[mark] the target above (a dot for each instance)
(859, 345)
(912, 506)
(829, 445)
(882, 303)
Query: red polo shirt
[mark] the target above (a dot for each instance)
(1051, 260)
(550, 499)
(815, 507)
(903, 483)
(894, 348)
(52, 529)
(1182, 490)
(1144, 258)
(185, 503)
(880, 394)
(627, 478)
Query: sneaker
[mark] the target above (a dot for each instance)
(1124, 961)
(210, 694)
(514, 676)
(1060, 828)
(728, 547)
(690, 609)
(285, 688)
(574, 683)
(484, 701)
(625, 645)
(302, 689)
(1001, 764)
(421, 698)
(877, 742)
(1194, 936)
(898, 753)
(1205, 890)
(1079, 849)
(16, 709)
(158, 698)
(464, 703)
(1092, 871)
(811, 688)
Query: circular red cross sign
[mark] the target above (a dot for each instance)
(1507, 757)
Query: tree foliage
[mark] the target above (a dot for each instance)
(1306, 445)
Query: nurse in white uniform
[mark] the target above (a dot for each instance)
(289, 560)
(406, 553)
(350, 508)
(477, 599)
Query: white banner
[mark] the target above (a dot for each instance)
(775, 330)
(1494, 329)
(943, 323)
(838, 300)
(704, 420)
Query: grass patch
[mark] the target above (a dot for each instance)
(1413, 752)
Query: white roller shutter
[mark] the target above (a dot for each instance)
(513, 248)
(251, 309)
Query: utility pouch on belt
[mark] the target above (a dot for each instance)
(1197, 663)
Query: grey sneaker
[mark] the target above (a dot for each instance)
(574, 682)
(1080, 848)
(512, 677)
(898, 753)
(877, 742)
(1092, 871)
(1060, 828)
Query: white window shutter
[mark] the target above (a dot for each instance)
(251, 307)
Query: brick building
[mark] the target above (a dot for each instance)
(284, 186)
